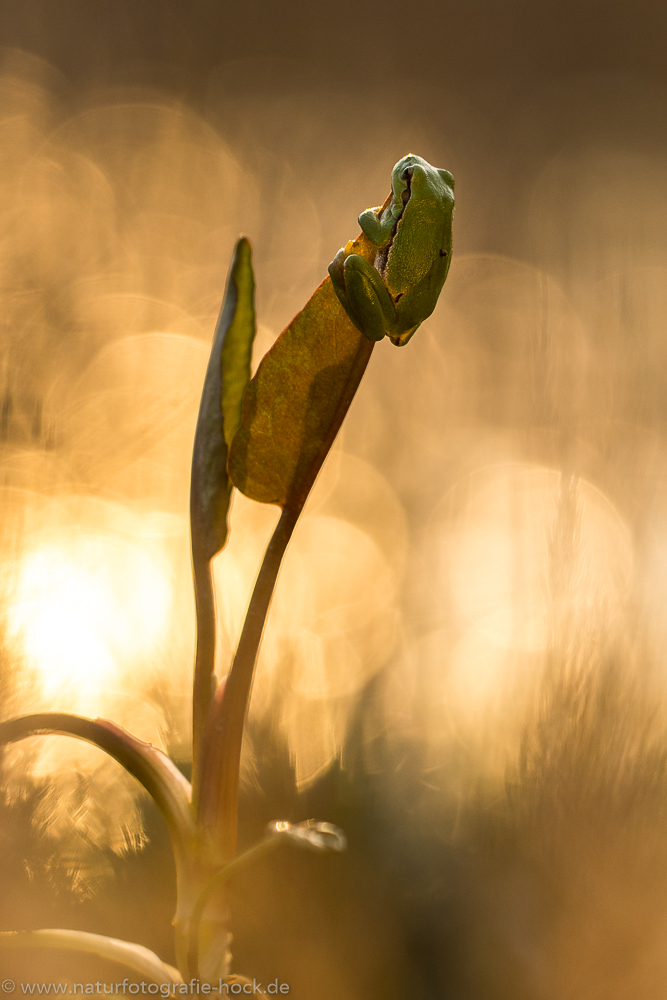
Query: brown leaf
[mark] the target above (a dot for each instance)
(294, 405)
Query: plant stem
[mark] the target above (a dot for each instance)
(161, 779)
(219, 786)
(204, 677)
(132, 956)
(150, 766)
(217, 805)
(216, 882)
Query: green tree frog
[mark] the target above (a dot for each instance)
(413, 235)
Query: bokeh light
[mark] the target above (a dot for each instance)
(470, 618)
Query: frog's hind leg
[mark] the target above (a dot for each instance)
(369, 304)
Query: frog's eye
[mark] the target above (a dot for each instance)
(406, 177)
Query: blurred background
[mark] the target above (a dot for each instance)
(465, 662)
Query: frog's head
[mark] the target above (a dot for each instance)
(411, 178)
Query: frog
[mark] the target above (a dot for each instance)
(412, 236)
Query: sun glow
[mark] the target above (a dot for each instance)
(84, 612)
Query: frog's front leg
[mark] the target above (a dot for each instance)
(363, 294)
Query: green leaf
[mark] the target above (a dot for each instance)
(237, 342)
(294, 405)
(133, 956)
(226, 379)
